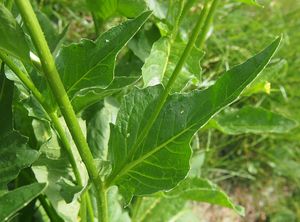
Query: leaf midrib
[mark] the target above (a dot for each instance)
(129, 166)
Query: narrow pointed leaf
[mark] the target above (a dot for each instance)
(162, 160)
(12, 37)
(253, 120)
(11, 202)
(91, 64)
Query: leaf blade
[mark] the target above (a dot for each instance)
(163, 158)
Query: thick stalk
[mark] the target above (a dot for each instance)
(207, 24)
(170, 83)
(60, 94)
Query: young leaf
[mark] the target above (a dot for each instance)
(253, 120)
(12, 38)
(17, 156)
(156, 64)
(91, 64)
(162, 160)
(12, 201)
(197, 189)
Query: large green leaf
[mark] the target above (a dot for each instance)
(197, 189)
(11, 202)
(6, 98)
(156, 63)
(15, 156)
(252, 120)
(91, 64)
(12, 37)
(162, 160)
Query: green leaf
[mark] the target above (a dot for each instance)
(91, 64)
(116, 212)
(98, 128)
(16, 156)
(131, 8)
(88, 97)
(162, 160)
(197, 189)
(158, 208)
(191, 70)
(155, 65)
(6, 98)
(51, 34)
(11, 202)
(12, 38)
(103, 8)
(252, 120)
(53, 167)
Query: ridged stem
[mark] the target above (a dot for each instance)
(62, 99)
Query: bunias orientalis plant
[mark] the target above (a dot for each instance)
(142, 155)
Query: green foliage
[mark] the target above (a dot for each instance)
(12, 201)
(12, 38)
(253, 120)
(103, 159)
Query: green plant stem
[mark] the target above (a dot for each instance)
(97, 24)
(136, 209)
(207, 24)
(53, 116)
(90, 209)
(50, 211)
(168, 88)
(60, 94)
